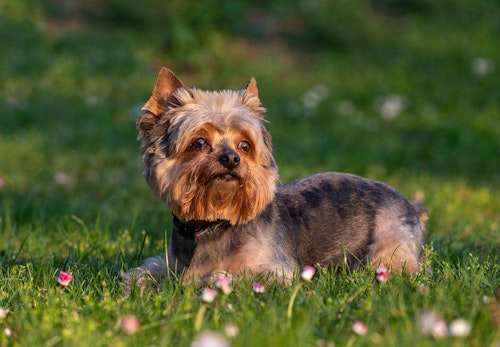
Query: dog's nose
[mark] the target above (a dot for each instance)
(229, 159)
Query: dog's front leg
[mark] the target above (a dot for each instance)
(151, 273)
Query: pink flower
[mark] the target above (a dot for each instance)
(382, 274)
(7, 332)
(208, 295)
(224, 284)
(308, 273)
(64, 279)
(258, 288)
(129, 324)
(231, 330)
(359, 327)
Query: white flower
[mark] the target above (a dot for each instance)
(210, 339)
(92, 100)
(62, 178)
(346, 108)
(432, 324)
(460, 328)
(313, 97)
(308, 273)
(231, 330)
(208, 295)
(482, 66)
(439, 330)
(3, 312)
(390, 106)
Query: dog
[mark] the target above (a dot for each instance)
(209, 158)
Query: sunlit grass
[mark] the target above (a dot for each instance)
(410, 97)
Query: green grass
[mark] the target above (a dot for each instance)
(74, 74)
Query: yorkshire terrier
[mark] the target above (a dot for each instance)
(208, 157)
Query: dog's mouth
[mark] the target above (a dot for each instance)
(227, 177)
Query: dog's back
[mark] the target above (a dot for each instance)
(336, 218)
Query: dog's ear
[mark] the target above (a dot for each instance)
(252, 90)
(166, 84)
(251, 98)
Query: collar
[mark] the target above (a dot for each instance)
(199, 229)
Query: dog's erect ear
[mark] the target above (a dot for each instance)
(252, 90)
(251, 99)
(166, 84)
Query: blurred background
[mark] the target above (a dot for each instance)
(403, 91)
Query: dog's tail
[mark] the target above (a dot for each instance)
(417, 203)
(423, 214)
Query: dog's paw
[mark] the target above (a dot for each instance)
(150, 274)
(216, 275)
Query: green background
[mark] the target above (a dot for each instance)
(406, 92)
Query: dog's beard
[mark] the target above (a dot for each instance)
(203, 191)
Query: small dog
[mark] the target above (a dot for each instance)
(208, 157)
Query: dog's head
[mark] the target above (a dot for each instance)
(207, 154)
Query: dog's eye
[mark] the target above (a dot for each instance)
(244, 146)
(199, 143)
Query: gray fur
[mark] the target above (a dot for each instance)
(329, 219)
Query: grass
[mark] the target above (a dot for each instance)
(72, 198)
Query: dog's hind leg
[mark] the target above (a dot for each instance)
(397, 241)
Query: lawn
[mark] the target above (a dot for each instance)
(405, 92)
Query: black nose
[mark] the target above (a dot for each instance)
(229, 159)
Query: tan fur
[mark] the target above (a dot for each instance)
(208, 157)
(393, 245)
(253, 257)
(184, 181)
